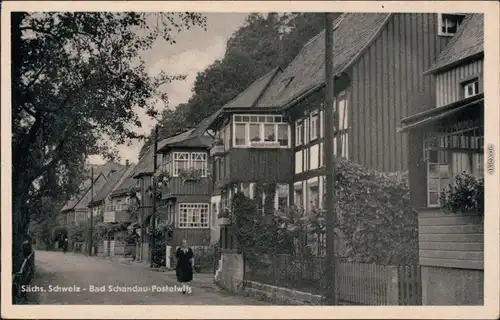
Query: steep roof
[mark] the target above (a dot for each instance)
(87, 198)
(193, 138)
(109, 186)
(466, 43)
(83, 189)
(145, 164)
(250, 96)
(126, 181)
(353, 33)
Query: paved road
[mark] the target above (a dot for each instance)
(80, 272)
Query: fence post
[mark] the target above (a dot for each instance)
(392, 286)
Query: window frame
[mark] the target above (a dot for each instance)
(441, 17)
(263, 121)
(191, 207)
(444, 146)
(299, 133)
(475, 86)
(190, 161)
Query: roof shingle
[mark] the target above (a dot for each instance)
(467, 42)
(353, 32)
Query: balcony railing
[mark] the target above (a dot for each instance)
(110, 212)
(216, 150)
(109, 216)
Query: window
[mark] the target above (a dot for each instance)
(283, 136)
(181, 162)
(255, 132)
(343, 112)
(166, 162)
(215, 212)
(298, 162)
(314, 126)
(298, 196)
(298, 133)
(314, 157)
(450, 154)
(306, 130)
(240, 136)
(261, 131)
(449, 23)
(471, 88)
(199, 162)
(313, 197)
(282, 195)
(269, 133)
(193, 215)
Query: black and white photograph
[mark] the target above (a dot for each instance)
(253, 157)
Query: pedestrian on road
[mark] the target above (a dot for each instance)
(185, 264)
(65, 245)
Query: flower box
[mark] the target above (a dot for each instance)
(262, 144)
(216, 150)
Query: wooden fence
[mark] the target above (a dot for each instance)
(358, 283)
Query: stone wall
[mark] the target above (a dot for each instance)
(229, 275)
(451, 286)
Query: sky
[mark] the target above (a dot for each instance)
(195, 50)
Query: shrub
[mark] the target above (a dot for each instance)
(466, 195)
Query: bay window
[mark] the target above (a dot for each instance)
(193, 215)
(261, 131)
(167, 162)
(449, 154)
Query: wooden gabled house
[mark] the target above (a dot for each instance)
(185, 177)
(379, 60)
(446, 140)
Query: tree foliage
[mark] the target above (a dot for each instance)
(76, 77)
(261, 44)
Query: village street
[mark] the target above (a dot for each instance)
(78, 271)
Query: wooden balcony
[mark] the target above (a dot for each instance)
(118, 213)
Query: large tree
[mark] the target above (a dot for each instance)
(261, 44)
(76, 78)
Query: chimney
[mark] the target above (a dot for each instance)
(127, 163)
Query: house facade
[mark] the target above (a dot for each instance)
(75, 211)
(446, 141)
(102, 208)
(184, 178)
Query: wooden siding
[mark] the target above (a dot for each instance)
(448, 88)
(387, 84)
(453, 241)
(177, 187)
(194, 237)
(250, 165)
(122, 216)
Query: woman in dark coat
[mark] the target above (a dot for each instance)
(185, 264)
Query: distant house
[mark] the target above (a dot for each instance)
(76, 210)
(100, 206)
(446, 140)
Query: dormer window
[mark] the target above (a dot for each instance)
(448, 23)
(471, 88)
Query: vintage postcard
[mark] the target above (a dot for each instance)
(260, 159)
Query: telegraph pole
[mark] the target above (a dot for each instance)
(91, 209)
(153, 181)
(330, 125)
